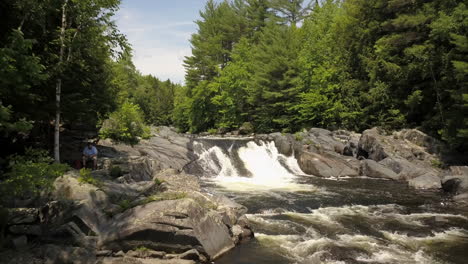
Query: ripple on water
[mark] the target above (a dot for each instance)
(360, 234)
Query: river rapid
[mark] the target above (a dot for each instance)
(304, 219)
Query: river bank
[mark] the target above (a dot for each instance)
(160, 207)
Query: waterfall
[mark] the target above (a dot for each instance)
(245, 162)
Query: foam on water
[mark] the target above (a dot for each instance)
(325, 232)
(262, 160)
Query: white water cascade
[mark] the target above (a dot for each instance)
(251, 166)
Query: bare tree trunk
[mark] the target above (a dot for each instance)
(58, 87)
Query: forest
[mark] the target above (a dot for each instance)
(337, 64)
(277, 65)
(66, 57)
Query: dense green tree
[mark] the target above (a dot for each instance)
(271, 92)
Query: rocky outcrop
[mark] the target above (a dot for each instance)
(174, 225)
(408, 155)
(321, 166)
(426, 181)
(456, 183)
(373, 169)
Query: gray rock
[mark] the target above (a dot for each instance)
(405, 169)
(421, 139)
(283, 143)
(426, 181)
(321, 140)
(20, 242)
(146, 253)
(236, 233)
(373, 169)
(193, 254)
(104, 253)
(172, 225)
(18, 216)
(461, 198)
(54, 254)
(127, 260)
(32, 230)
(318, 165)
(371, 143)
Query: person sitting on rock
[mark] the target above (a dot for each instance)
(90, 153)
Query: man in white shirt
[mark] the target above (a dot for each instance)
(90, 153)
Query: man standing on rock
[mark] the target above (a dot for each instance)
(90, 153)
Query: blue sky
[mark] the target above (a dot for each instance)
(159, 32)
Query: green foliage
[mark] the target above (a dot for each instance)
(437, 163)
(352, 64)
(165, 196)
(87, 178)
(142, 249)
(115, 172)
(158, 181)
(212, 131)
(31, 173)
(126, 125)
(298, 136)
(125, 204)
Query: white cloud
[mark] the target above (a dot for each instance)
(159, 46)
(162, 62)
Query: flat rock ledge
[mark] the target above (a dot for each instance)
(167, 219)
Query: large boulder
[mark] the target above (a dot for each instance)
(284, 143)
(426, 181)
(456, 182)
(171, 225)
(89, 200)
(18, 216)
(322, 140)
(321, 166)
(373, 169)
(372, 145)
(166, 149)
(421, 139)
(405, 169)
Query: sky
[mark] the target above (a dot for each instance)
(159, 32)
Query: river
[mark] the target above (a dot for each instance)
(303, 219)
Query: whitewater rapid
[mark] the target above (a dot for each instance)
(302, 219)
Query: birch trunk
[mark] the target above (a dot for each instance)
(58, 87)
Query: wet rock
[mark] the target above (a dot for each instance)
(62, 254)
(451, 185)
(318, 165)
(104, 253)
(17, 216)
(426, 181)
(193, 254)
(461, 198)
(283, 143)
(373, 169)
(20, 242)
(32, 230)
